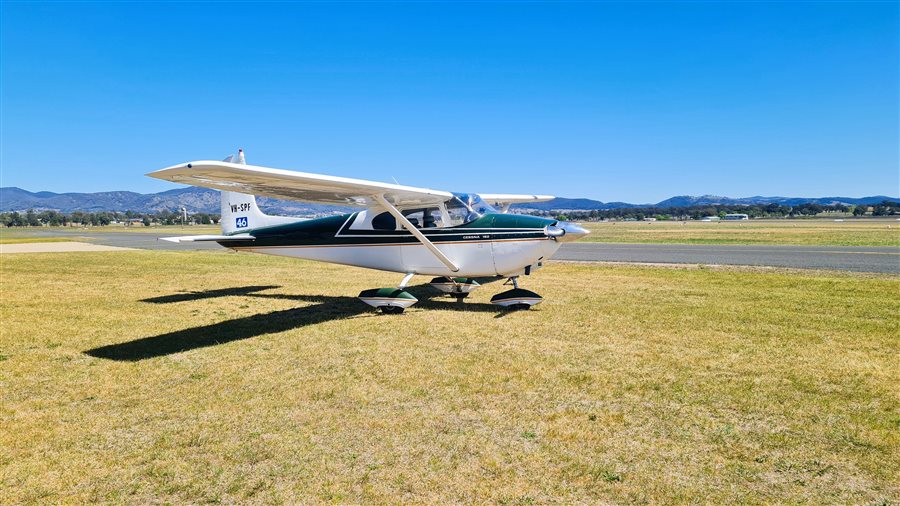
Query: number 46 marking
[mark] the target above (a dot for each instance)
(241, 222)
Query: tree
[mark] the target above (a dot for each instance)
(886, 208)
(31, 219)
(146, 221)
(12, 219)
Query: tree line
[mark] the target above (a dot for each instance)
(884, 208)
(33, 218)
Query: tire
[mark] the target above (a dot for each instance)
(391, 309)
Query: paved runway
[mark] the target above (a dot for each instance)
(860, 259)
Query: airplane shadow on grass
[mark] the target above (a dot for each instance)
(323, 309)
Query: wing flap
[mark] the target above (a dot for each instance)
(504, 200)
(509, 198)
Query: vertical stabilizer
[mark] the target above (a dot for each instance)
(240, 214)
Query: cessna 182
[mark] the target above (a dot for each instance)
(454, 236)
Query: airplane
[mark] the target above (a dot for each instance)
(414, 231)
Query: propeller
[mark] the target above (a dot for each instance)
(554, 232)
(565, 231)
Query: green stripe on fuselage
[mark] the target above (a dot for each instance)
(334, 231)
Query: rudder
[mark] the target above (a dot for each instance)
(240, 213)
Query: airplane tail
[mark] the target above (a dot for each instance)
(241, 214)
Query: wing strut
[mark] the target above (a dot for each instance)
(414, 231)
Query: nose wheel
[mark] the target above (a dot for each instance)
(517, 298)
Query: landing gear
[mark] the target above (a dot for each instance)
(389, 300)
(517, 298)
(459, 288)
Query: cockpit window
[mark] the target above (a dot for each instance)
(461, 209)
(467, 207)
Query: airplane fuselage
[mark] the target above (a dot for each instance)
(494, 244)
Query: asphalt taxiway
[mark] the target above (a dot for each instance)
(845, 258)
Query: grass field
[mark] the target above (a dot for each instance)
(206, 377)
(874, 232)
(26, 240)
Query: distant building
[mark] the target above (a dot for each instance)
(736, 217)
(710, 218)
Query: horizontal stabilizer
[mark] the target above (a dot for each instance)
(509, 198)
(201, 238)
(502, 201)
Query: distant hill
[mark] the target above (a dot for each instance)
(195, 200)
(704, 200)
(202, 200)
(582, 204)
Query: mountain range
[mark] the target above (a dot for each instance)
(195, 200)
(703, 200)
(202, 200)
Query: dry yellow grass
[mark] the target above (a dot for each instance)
(28, 235)
(154, 377)
(29, 240)
(863, 232)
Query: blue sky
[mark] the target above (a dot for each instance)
(612, 101)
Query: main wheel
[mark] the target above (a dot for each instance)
(519, 307)
(391, 309)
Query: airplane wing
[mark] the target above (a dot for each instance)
(300, 186)
(502, 201)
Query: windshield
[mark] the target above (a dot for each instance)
(467, 207)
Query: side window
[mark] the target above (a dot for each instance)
(414, 216)
(424, 218)
(432, 218)
(384, 221)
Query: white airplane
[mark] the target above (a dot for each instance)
(454, 236)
